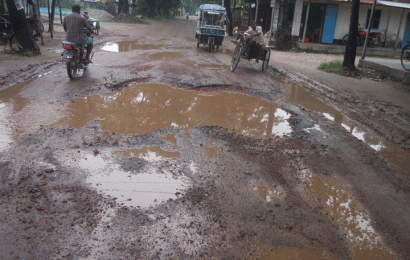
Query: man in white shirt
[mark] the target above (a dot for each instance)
(257, 42)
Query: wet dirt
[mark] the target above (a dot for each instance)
(234, 166)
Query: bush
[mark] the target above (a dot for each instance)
(283, 39)
(333, 66)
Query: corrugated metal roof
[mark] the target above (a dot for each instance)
(394, 4)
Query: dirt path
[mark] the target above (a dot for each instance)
(159, 152)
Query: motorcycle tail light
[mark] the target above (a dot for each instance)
(68, 47)
(78, 55)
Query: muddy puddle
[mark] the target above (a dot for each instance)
(165, 55)
(335, 199)
(126, 46)
(20, 116)
(296, 94)
(150, 185)
(144, 108)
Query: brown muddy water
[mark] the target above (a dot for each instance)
(144, 108)
(126, 46)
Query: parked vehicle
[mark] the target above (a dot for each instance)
(74, 55)
(211, 26)
(375, 38)
(405, 56)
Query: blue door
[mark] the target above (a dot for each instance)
(406, 35)
(330, 23)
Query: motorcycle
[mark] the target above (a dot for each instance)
(375, 38)
(74, 55)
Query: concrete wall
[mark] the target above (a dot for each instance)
(343, 20)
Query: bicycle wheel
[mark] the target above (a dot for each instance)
(236, 57)
(265, 62)
(345, 39)
(405, 57)
(14, 45)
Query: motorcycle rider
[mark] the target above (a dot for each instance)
(74, 25)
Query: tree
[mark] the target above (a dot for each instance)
(227, 4)
(351, 45)
(20, 27)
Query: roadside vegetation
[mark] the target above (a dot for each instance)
(337, 67)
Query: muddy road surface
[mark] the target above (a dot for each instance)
(160, 152)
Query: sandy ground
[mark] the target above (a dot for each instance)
(159, 152)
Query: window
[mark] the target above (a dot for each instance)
(376, 18)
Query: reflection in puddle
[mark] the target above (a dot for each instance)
(145, 108)
(151, 154)
(291, 253)
(126, 46)
(335, 199)
(300, 96)
(165, 55)
(193, 167)
(264, 192)
(151, 186)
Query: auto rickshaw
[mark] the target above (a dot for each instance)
(211, 26)
(94, 23)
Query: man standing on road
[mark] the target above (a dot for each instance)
(74, 25)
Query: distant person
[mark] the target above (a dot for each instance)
(74, 25)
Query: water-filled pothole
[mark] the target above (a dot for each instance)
(126, 46)
(333, 196)
(144, 108)
(165, 55)
(152, 184)
(298, 95)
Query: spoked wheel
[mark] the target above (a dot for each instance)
(236, 57)
(14, 45)
(405, 57)
(72, 68)
(345, 38)
(265, 62)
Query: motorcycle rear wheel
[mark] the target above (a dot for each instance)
(72, 68)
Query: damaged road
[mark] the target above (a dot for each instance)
(159, 152)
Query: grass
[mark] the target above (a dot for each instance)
(333, 66)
